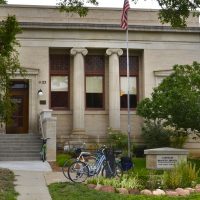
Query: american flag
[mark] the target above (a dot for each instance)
(124, 18)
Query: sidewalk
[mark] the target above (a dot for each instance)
(32, 179)
(31, 185)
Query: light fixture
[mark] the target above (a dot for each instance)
(40, 92)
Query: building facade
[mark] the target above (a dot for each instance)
(80, 66)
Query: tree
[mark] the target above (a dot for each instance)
(176, 101)
(9, 63)
(174, 12)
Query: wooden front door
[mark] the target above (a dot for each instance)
(19, 92)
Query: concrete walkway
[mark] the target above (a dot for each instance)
(31, 185)
(32, 178)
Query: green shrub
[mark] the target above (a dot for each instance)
(154, 181)
(117, 139)
(125, 181)
(155, 135)
(184, 174)
(61, 158)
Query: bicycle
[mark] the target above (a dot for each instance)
(83, 156)
(43, 150)
(79, 171)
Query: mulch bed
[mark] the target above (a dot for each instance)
(55, 167)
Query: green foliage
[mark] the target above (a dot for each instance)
(176, 101)
(7, 190)
(117, 139)
(76, 6)
(174, 12)
(155, 135)
(154, 181)
(9, 64)
(182, 175)
(63, 191)
(62, 158)
(3, 2)
(124, 182)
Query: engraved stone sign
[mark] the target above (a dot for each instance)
(164, 158)
(166, 161)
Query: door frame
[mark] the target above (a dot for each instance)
(24, 93)
(32, 77)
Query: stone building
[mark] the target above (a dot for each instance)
(79, 64)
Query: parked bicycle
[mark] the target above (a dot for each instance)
(79, 170)
(43, 150)
(83, 156)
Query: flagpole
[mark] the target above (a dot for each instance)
(128, 97)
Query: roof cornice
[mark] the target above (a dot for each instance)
(107, 27)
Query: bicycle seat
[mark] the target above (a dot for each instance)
(85, 153)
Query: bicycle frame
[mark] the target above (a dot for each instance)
(97, 166)
(43, 149)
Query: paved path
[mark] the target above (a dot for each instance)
(31, 185)
(32, 178)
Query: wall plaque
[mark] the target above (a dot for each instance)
(166, 161)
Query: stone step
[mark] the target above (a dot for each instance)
(20, 155)
(29, 158)
(20, 147)
(19, 135)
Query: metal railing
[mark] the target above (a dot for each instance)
(41, 130)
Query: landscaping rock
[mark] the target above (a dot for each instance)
(158, 192)
(134, 191)
(197, 190)
(91, 186)
(191, 190)
(146, 192)
(182, 192)
(122, 191)
(106, 188)
(98, 187)
(197, 186)
(171, 193)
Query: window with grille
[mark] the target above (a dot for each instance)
(133, 81)
(59, 81)
(94, 81)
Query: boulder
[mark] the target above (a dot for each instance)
(134, 191)
(146, 192)
(197, 186)
(158, 192)
(106, 188)
(191, 190)
(171, 193)
(91, 186)
(122, 191)
(98, 187)
(182, 192)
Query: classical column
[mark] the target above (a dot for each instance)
(114, 87)
(78, 90)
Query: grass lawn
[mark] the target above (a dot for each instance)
(70, 191)
(7, 191)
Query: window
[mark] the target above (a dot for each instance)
(94, 84)
(133, 81)
(59, 81)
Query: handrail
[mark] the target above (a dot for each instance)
(41, 126)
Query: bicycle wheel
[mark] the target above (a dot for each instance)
(107, 171)
(65, 169)
(78, 172)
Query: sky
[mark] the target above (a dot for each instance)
(102, 3)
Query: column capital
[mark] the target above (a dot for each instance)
(75, 51)
(109, 52)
